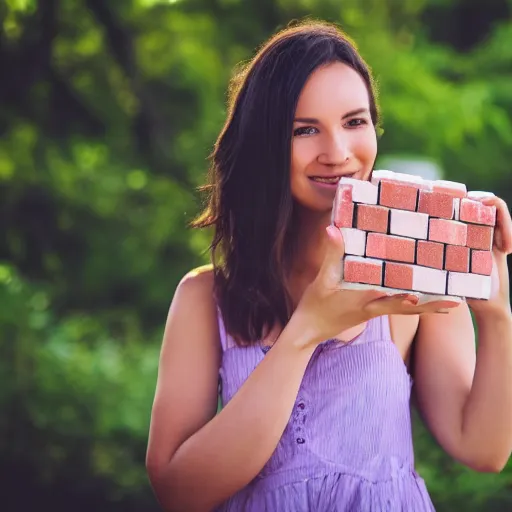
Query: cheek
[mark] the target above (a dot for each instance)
(365, 147)
(303, 153)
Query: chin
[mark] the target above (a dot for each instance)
(313, 207)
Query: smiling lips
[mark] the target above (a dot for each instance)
(331, 180)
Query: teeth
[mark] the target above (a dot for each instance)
(326, 180)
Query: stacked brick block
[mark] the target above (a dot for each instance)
(406, 233)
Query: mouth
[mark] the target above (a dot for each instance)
(330, 180)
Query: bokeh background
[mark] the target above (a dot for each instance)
(108, 112)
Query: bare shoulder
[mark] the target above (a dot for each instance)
(198, 280)
(194, 301)
(187, 383)
(192, 320)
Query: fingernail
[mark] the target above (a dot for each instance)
(331, 232)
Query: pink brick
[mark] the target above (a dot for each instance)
(409, 224)
(456, 258)
(414, 277)
(447, 231)
(343, 210)
(388, 247)
(477, 212)
(362, 270)
(481, 262)
(362, 191)
(398, 195)
(450, 187)
(480, 237)
(474, 286)
(372, 218)
(430, 254)
(355, 241)
(436, 204)
(398, 275)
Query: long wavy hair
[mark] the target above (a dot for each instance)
(249, 202)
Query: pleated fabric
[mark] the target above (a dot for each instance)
(348, 443)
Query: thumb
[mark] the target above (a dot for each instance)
(331, 268)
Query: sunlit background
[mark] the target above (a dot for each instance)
(108, 111)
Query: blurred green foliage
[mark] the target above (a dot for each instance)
(108, 113)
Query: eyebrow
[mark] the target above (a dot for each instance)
(312, 120)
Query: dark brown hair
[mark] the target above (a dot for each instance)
(250, 204)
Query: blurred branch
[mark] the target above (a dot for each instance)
(119, 40)
(150, 130)
(27, 62)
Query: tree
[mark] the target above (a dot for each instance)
(109, 112)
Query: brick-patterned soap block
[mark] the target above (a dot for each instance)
(456, 258)
(481, 262)
(474, 286)
(480, 237)
(343, 210)
(414, 277)
(450, 187)
(357, 269)
(436, 204)
(355, 241)
(430, 254)
(390, 247)
(447, 231)
(393, 194)
(408, 224)
(372, 218)
(362, 191)
(476, 212)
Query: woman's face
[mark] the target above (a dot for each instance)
(333, 135)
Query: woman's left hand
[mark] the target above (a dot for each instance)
(502, 246)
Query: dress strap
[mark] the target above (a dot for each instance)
(385, 330)
(222, 330)
(378, 329)
(225, 339)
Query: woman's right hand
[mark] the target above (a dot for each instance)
(327, 310)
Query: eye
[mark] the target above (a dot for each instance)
(305, 131)
(358, 121)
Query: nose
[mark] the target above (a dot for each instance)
(336, 150)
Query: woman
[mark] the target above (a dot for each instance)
(313, 424)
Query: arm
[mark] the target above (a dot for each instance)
(466, 397)
(188, 444)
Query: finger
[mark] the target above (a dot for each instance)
(391, 304)
(407, 304)
(503, 229)
(437, 306)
